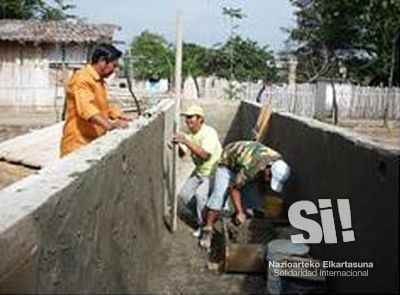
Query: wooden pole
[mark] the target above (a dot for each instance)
(178, 83)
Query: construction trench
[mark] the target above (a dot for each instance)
(94, 222)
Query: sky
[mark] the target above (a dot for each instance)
(202, 20)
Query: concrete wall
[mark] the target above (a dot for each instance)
(93, 221)
(329, 162)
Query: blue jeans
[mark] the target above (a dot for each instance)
(219, 194)
(250, 197)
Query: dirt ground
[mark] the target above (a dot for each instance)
(184, 267)
(15, 122)
(183, 270)
(18, 121)
(28, 116)
(8, 132)
(10, 173)
(375, 130)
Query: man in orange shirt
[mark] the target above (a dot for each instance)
(89, 114)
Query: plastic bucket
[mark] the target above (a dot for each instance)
(273, 206)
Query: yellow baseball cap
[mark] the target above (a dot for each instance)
(193, 110)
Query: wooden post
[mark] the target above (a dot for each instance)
(178, 83)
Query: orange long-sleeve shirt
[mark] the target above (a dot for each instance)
(86, 96)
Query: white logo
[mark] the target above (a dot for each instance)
(314, 229)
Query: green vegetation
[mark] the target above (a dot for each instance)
(36, 9)
(152, 56)
(361, 36)
(251, 61)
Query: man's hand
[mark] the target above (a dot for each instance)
(182, 142)
(194, 148)
(120, 124)
(179, 138)
(107, 124)
(128, 116)
(236, 198)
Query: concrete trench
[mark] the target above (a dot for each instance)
(93, 222)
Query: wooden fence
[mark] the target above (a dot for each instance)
(354, 101)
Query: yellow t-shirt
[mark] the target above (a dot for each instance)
(207, 139)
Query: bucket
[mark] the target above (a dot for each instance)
(273, 206)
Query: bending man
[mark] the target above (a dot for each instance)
(241, 162)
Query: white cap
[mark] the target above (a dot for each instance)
(280, 173)
(193, 110)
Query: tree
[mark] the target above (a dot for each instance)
(152, 56)
(379, 39)
(360, 34)
(233, 14)
(382, 19)
(195, 62)
(59, 11)
(252, 61)
(35, 9)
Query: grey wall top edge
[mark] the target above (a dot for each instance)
(25, 196)
(350, 135)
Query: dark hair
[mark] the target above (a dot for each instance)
(105, 51)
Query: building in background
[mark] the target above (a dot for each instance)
(37, 57)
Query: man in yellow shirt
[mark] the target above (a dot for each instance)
(203, 143)
(89, 114)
